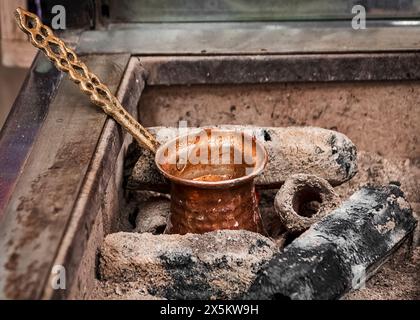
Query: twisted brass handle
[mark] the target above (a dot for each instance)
(65, 59)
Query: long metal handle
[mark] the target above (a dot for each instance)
(65, 59)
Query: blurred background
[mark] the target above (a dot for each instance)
(16, 54)
(251, 10)
(11, 79)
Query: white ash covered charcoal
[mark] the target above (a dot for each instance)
(325, 153)
(145, 175)
(303, 200)
(270, 219)
(152, 215)
(340, 251)
(121, 291)
(220, 264)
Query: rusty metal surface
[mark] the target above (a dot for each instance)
(66, 60)
(24, 122)
(40, 209)
(104, 167)
(281, 68)
(247, 38)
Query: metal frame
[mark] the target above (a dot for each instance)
(24, 122)
(41, 206)
(241, 69)
(66, 157)
(259, 38)
(129, 11)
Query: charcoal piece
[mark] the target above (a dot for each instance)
(216, 265)
(152, 216)
(303, 200)
(341, 251)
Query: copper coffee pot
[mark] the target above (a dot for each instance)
(216, 192)
(213, 187)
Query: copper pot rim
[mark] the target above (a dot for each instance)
(213, 184)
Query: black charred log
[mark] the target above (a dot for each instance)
(340, 251)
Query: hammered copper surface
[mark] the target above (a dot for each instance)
(212, 196)
(199, 210)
